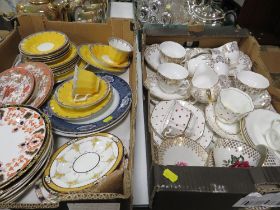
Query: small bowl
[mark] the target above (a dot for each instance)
(235, 154)
(123, 47)
(108, 56)
(172, 52)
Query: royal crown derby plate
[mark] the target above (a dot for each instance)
(79, 114)
(81, 163)
(256, 125)
(44, 81)
(159, 115)
(152, 56)
(28, 128)
(63, 77)
(218, 128)
(16, 86)
(85, 53)
(64, 95)
(43, 43)
(151, 83)
(107, 56)
(182, 152)
(70, 56)
(121, 102)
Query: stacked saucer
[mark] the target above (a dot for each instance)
(88, 103)
(24, 159)
(29, 83)
(113, 58)
(52, 48)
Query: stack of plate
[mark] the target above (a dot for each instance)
(52, 48)
(113, 58)
(25, 148)
(99, 112)
(82, 163)
(28, 83)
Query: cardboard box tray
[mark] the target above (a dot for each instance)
(82, 33)
(204, 187)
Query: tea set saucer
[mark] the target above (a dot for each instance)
(152, 56)
(228, 131)
(158, 118)
(151, 83)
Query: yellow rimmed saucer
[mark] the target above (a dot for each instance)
(64, 93)
(73, 114)
(43, 43)
(106, 55)
(85, 53)
(67, 59)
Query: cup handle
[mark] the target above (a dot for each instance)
(209, 95)
(183, 89)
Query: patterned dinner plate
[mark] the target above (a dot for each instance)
(24, 135)
(43, 43)
(64, 95)
(81, 163)
(120, 105)
(16, 86)
(44, 81)
(85, 53)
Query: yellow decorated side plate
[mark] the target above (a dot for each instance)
(85, 54)
(43, 43)
(68, 58)
(64, 93)
(73, 114)
(107, 56)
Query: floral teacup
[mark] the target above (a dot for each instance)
(172, 52)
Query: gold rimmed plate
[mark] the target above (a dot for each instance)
(81, 163)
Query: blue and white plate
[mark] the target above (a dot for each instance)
(111, 115)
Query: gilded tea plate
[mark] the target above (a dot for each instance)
(28, 129)
(44, 81)
(85, 53)
(16, 86)
(43, 43)
(152, 56)
(64, 93)
(81, 163)
(119, 107)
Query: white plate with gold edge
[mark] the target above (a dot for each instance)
(217, 128)
(152, 56)
(182, 152)
(204, 141)
(64, 92)
(151, 83)
(81, 163)
(161, 109)
(257, 123)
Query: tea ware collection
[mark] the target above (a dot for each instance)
(209, 108)
(53, 90)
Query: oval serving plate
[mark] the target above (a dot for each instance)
(81, 163)
(121, 102)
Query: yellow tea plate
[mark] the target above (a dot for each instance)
(85, 53)
(107, 56)
(73, 114)
(43, 43)
(68, 58)
(64, 93)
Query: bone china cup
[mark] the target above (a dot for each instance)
(232, 105)
(205, 86)
(235, 154)
(172, 52)
(172, 78)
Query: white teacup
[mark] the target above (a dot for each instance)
(192, 64)
(205, 86)
(172, 52)
(172, 78)
(231, 52)
(232, 105)
(220, 65)
(272, 135)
